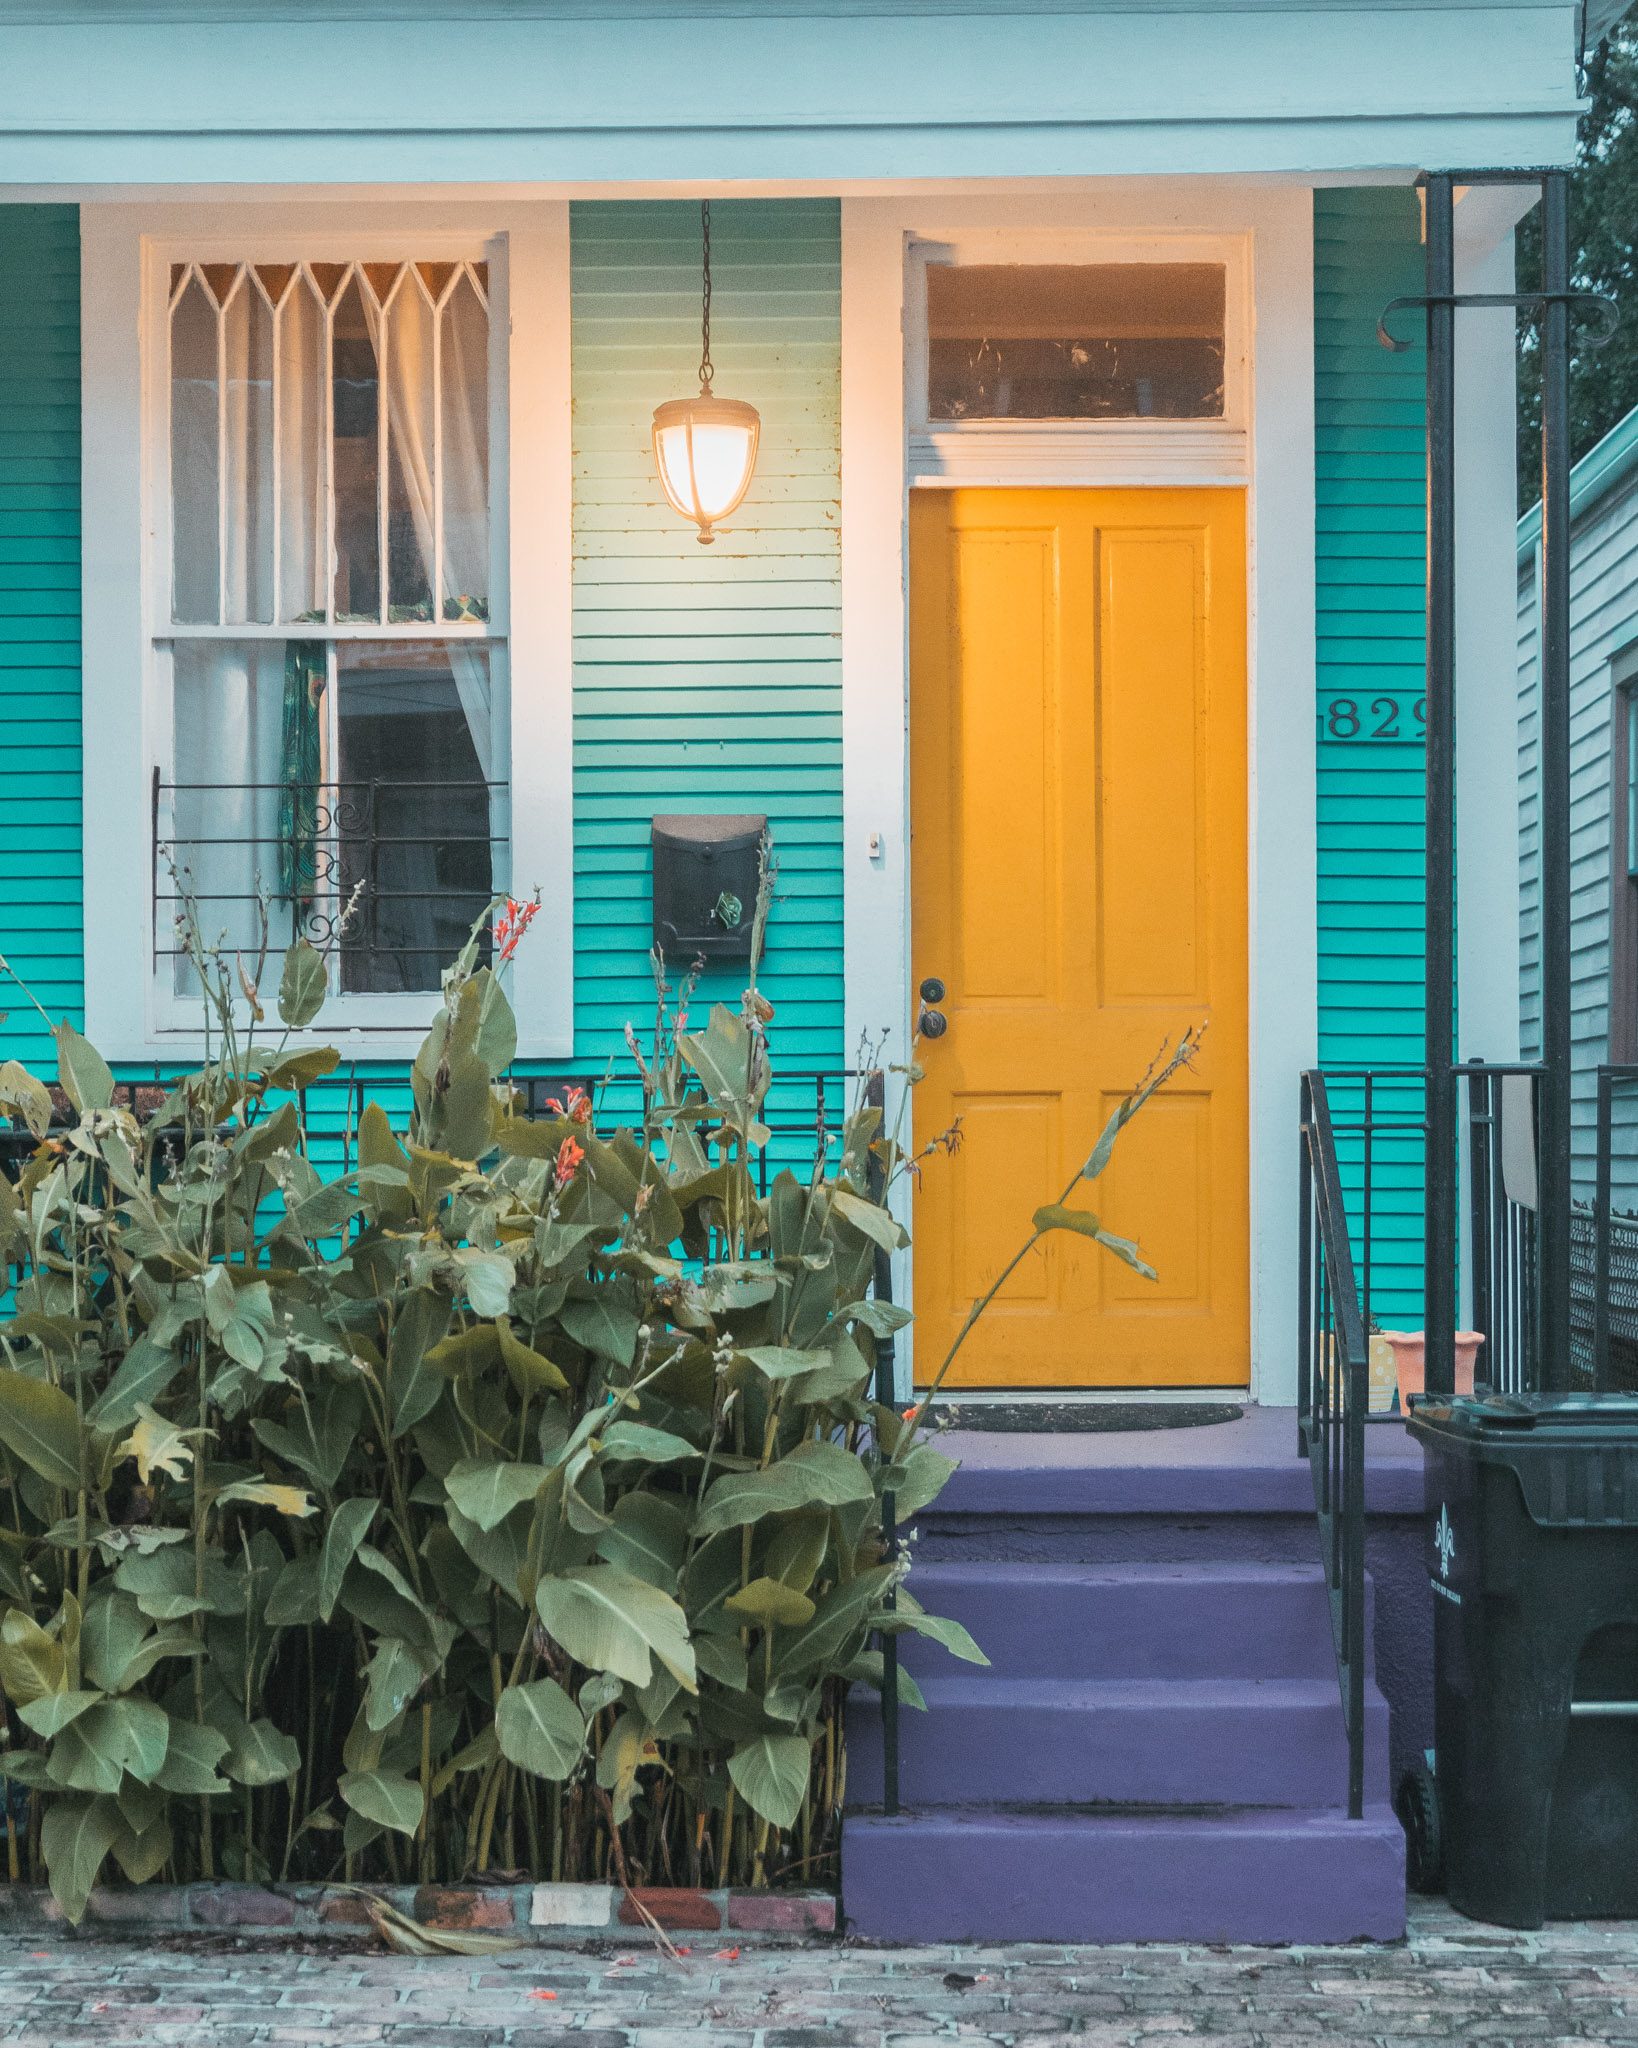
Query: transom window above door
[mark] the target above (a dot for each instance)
(332, 755)
(1075, 341)
(1078, 355)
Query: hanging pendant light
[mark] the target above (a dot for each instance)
(705, 447)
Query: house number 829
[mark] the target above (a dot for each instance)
(1374, 718)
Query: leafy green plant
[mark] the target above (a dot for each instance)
(510, 1499)
(512, 1496)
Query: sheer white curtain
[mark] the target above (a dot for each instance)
(404, 347)
(228, 698)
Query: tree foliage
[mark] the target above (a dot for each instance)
(1603, 258)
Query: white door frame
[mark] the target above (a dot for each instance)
(1277, 224)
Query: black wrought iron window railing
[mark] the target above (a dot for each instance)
(385, 876)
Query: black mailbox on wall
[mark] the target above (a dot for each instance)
(705, 877)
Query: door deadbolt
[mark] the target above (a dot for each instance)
(932, 990)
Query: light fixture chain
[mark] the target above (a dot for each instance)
(706, 371)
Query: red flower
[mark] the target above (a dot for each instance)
(569, 1156)
(511, 925)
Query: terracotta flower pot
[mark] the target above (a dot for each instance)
(1410, 1360)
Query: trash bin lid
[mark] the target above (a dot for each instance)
(1509, 1415)
(1575, 1455)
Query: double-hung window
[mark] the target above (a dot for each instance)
(330, 469)
(336, 759)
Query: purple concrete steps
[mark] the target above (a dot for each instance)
(1187, 1741)
(1156, 1751)
(1206, 1620)
(1244, 1876)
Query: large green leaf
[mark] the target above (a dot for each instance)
(53, 1711)
(648, 1537)
(301, 986)
(838, 1616)
(38, 1424)
(604, 1324)
(27, 1095)
(496, 1042)
(82, 1071)
(869, 1217)
(167, 1582)
(75, 1835)
(772, 1775)
(610, 1621)
(390, 1802)
(143, 1856)
(32, 1663)
(393, 1677)
(346, 1532)
(489, 1281)
(142, 1375)
(771, 1600)
(131, 1733)
(880, 1318)
(540, 1729)
(783, 1362)
(939, 1628)
(294, 1599)
(328, 1211)
(820, 1473)
(487, 1490)
(1054, 1216)
(262, 1755)
(649, 1446)
(191, 1759)
(413, 1383)
(502, 1552)
(107, 1739)
(917, 1480)
(530, 1372)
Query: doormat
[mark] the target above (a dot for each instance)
(1009, 1418)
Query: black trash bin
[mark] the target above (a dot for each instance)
(1533, 1558)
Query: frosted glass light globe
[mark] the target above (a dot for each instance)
(705, 449)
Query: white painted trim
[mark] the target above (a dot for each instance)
(1176, 452)
(875, 665)
(1201, 90)
(125, 529)
(1277, 227)
(1488, 880)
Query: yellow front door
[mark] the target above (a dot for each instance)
(1078, 876)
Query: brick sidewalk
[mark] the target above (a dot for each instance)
(1452, 1980)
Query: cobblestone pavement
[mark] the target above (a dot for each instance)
(1452, 1980)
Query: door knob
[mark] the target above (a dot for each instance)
(934, 1023)
(932, 990)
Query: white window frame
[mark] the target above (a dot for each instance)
(126, 253)
(1025, 451)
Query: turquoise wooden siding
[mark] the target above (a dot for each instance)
(40, 888)
(1370, 527)
(708, 678)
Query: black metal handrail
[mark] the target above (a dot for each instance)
(1333, 1397)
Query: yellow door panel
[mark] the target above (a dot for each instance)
(1078, 770)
